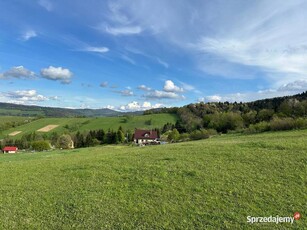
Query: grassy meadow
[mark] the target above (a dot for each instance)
(4, 119)
(209, 184)
(84, 124)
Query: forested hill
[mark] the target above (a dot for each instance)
(226, 116)
(8, 109)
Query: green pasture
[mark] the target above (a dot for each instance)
(209, 184)
(72, 125)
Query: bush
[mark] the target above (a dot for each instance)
(222, 122)
(282, 124)
(258, 128)
(173, 136)
(199, 134)
(40, 145)
(65, 142)
(184, 137)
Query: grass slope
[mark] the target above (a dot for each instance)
(84, 124)
(5, 119)
(210, 184)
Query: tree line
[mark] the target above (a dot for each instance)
(197, 120)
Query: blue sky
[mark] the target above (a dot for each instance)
(136, 55)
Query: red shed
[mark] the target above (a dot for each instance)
(10, 149)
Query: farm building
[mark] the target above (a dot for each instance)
(145, 136)
(10, 149)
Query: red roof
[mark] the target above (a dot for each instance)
(145, 134)
(10, 148)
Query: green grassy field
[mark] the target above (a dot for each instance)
(84, 124)
(209, 184)
(4, 119)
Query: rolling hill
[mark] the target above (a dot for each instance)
(8, 109)
(84, 124)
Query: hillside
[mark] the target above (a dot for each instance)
(72, 125)
(8, 109)
(209, 184)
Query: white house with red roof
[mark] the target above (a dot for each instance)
(10, 149)
(145, 136)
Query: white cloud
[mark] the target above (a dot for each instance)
(28, 35)
(57, 74)
(126, 93)
(54, 98)
(297, 86)
(169, 86)
(124, 30)
(256, 40)
(23, 96)
(213, 98)
(250, 96)
(104, 84)
(101, 49)
(110, 107)
(156, 94)
(17, 72)
(136, 106)
(144, 87)
(46, 4)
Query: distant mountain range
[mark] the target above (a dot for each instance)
(8, 109)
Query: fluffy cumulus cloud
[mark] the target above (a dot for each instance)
(169, 86)
(24, 96)
(57, 74)
(136, 106)
(17, 72)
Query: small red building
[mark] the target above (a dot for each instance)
(145, 136)
(10, 149)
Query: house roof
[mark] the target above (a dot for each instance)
(145, 134)
(10, 148)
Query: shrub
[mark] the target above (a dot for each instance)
(282, 124)
(184, 137)
(40, 145)
(258, 128)
(173, 136)
(65, 142)
(199, 134)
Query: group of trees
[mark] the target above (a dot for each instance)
(98, 137)
(270, 114)
(39, 142)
